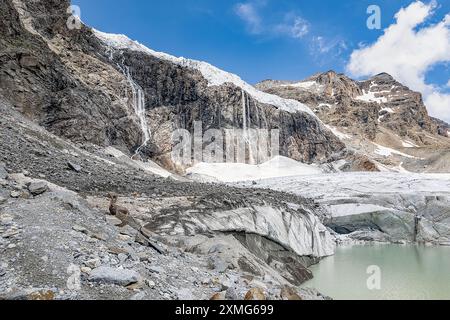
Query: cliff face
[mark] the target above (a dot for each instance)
(81, 87)
(362, 107)
(36, 76)
(443, 127)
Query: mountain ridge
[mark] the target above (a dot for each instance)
(90, 73)
(367, 114)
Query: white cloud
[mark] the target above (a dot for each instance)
(300, 28)
(249, 13)
(448, 83)
(408, 50)
(292, 25)
(321, 45)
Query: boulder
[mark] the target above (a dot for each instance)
(218, 264)
(256, 294)
(73, 166)
(289, 293)
(122, 277)
(220, 296)
(37, 188)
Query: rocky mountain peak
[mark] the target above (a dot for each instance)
(336, 84)
(383, 77)
(380, 109)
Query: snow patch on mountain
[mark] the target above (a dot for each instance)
(213, 75)
(387, 152)
(338, 133)
(370, 97)
(408, 144)
(148, 166)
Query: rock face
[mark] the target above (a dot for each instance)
(36, 76)
(378, 102)
(47, 68)
(443, 127)
(378, 111)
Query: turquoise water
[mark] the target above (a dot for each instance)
(397, 272)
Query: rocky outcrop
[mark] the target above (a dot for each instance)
(368, 114)
(443, 127)
(37, 79)
(364, 106)
(402, 110)
(47, 68)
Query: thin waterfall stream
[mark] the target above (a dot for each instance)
(137, 100)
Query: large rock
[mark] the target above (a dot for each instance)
(110, 275)
(37, 188)
(256, 294)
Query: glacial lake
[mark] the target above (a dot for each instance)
(403, 272)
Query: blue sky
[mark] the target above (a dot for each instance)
(261, 39)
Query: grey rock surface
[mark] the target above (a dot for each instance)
(117, 276)
(37, 188)
(3, 172)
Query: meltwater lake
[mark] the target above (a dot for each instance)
(407, 272)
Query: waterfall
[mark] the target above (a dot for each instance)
(138, 100)
(244, 112)
(246, 120)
